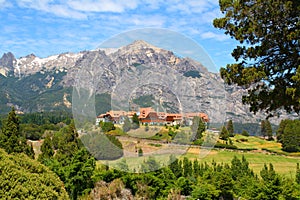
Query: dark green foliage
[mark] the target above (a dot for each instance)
(107, 126)
(198, 127)
(140, 152)
(25, 178)
(175, 166)
(43, 118)
(263, 130)
(187, 167)
(207, 181)
(245, 133)
(225, 146)
(11, 138)
(267, 59)
(46, 149)
(30, 93)
(230, 128)
(224, 183)
(280, 130)
(224, 135)
(192, 73)
(298, 174)
(291, 136)
(269, 131)
(205, 191)
(135, 121)
(72, 162)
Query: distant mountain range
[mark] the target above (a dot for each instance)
(139, 73)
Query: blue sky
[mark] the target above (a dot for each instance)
(47, 27)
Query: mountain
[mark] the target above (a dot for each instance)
(123, 78)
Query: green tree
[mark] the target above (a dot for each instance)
(269, 131)
(205, 191)
(107, 126)
(175, 166)
(271, 182)
(245, 133)
(135, 121)
(263, 130)
(187, 167)
(291, 137)
(224, 135)
(46, 149)
(198, 128)
(11, 138)
(140, 152)
(126, 125)
(25, 178)
(280, 130)
(230, 128)
(267, 59)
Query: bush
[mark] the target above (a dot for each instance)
(225, 146)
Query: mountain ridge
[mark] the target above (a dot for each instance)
(112, 68)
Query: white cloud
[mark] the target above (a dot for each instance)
(50, 6)
(117, 6)
(215, 36)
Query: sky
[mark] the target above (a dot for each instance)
(48, 27)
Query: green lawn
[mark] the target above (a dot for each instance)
(283, 165)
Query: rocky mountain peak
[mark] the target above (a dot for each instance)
(7, 60)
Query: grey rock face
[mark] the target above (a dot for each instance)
(139, 69)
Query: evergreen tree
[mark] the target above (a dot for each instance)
(198, 127)
(224, 135)
(175, 166)
(267, 57)
(187, 167)
(245, 133)
(269, 131)
(11, 138)
(291, 137)
(201, 129)
(140, 152)
(280, 130)
(263, 130)
(46, 149)
(135, 121)
(230, 128)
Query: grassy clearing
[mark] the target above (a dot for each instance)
(282, 164)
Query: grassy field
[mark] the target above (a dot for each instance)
(283, 165)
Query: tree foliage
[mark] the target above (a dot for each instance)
(291, 136)
(230, 128)
(198, 128)
(267, 59)
(135, 121)
(224, 135)
(25, 178)
(11, 138)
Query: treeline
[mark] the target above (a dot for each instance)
(33, 125)
(195, 180)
